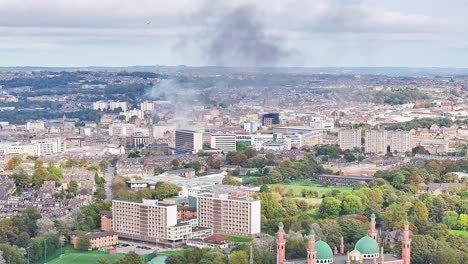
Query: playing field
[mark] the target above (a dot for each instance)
(85, 257)
(459, 232)
(298, 186)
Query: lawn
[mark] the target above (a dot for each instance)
(238, 239)
(171, 253)
(298, 186)
(78, 258)
(73, 256)
(459, 232)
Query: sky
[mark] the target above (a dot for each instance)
(289, 33)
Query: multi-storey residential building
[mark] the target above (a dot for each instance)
(147, 106)
(97, 239)
(435, 146)
(146, 221)
(134, 112)
(20, 149)
(121, 130)
(49, 146)
(100, 105)
(400, 141)
(114, 105)
(35, 126)
(229, 214)
(376, 141)
(188, 140)
(349, 138)
(224, 142)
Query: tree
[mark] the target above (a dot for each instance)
(21, 178)
(463, 221)
(100, 194)
(175, 163)
(73, 187)
(419, 150)
(131, 258)
(104, 261)
(450, 219)
(172, 259)
(103, 165)
(238, 257)
(271, 208)
(229, 180)
(164, 190)
(352, 204)
(330, 207)
(12, 254)
(241, 146)
(393, 216)
(13, 163)
(419, 215)
(23, 239)
(83, 242)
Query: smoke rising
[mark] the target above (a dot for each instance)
(239, 39)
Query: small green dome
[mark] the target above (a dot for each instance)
(324, 251)
(280, 224)
(406, 223)
(367, 245)
(372, 215)
(312, 232)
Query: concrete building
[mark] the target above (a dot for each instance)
(106, 220)
(146, 221)
(49, 146)
(224, 142)
(35, 126)
(147, 106)
(188, 140)
(121, 130)
(20, 149)
(116, 104)
(400, 141)
(228, 214)
(270, 119)
(349, 138)
(376, 141)
(251, 126)
(435, 146)
(134, 112)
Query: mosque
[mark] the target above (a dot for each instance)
(366, 250)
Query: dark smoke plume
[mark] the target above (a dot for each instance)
(239, 39)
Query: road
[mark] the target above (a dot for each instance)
(108, 176)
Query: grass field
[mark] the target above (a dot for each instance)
(78, 258)
(459, 232)
(238, 239)
(171, 253)
(298, 186)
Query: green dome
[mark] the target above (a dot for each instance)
(367, 245)
(406, 223)
(372, 215)
(324, 251)
(312, 232)
(280, 224)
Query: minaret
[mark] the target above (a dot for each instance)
(280, 245)
(348, 261)
(151, 132)
(342, 246)
(382, 257)
(406, 245)
(311, 252)
(373, 230)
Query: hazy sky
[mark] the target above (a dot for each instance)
(418, 33)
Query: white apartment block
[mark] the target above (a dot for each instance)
(104, 105)
(400, 141)
(147, 106)
(349, 138)
(35, 126)
(20, 149)
(121, 130)
(251, 126)
(49, 146)
(224, 142)
(100, 105)
(376, 141)
(188, 140)
(134, 112)
(146, 221)
(229, 215)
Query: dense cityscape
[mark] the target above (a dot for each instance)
(259, 165)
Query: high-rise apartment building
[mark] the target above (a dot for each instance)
(376, 141)
(147, 106)
(147, 221)
(229, 215)
(224, 142)
(400, 141)
(349, 138)
(188, 140)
